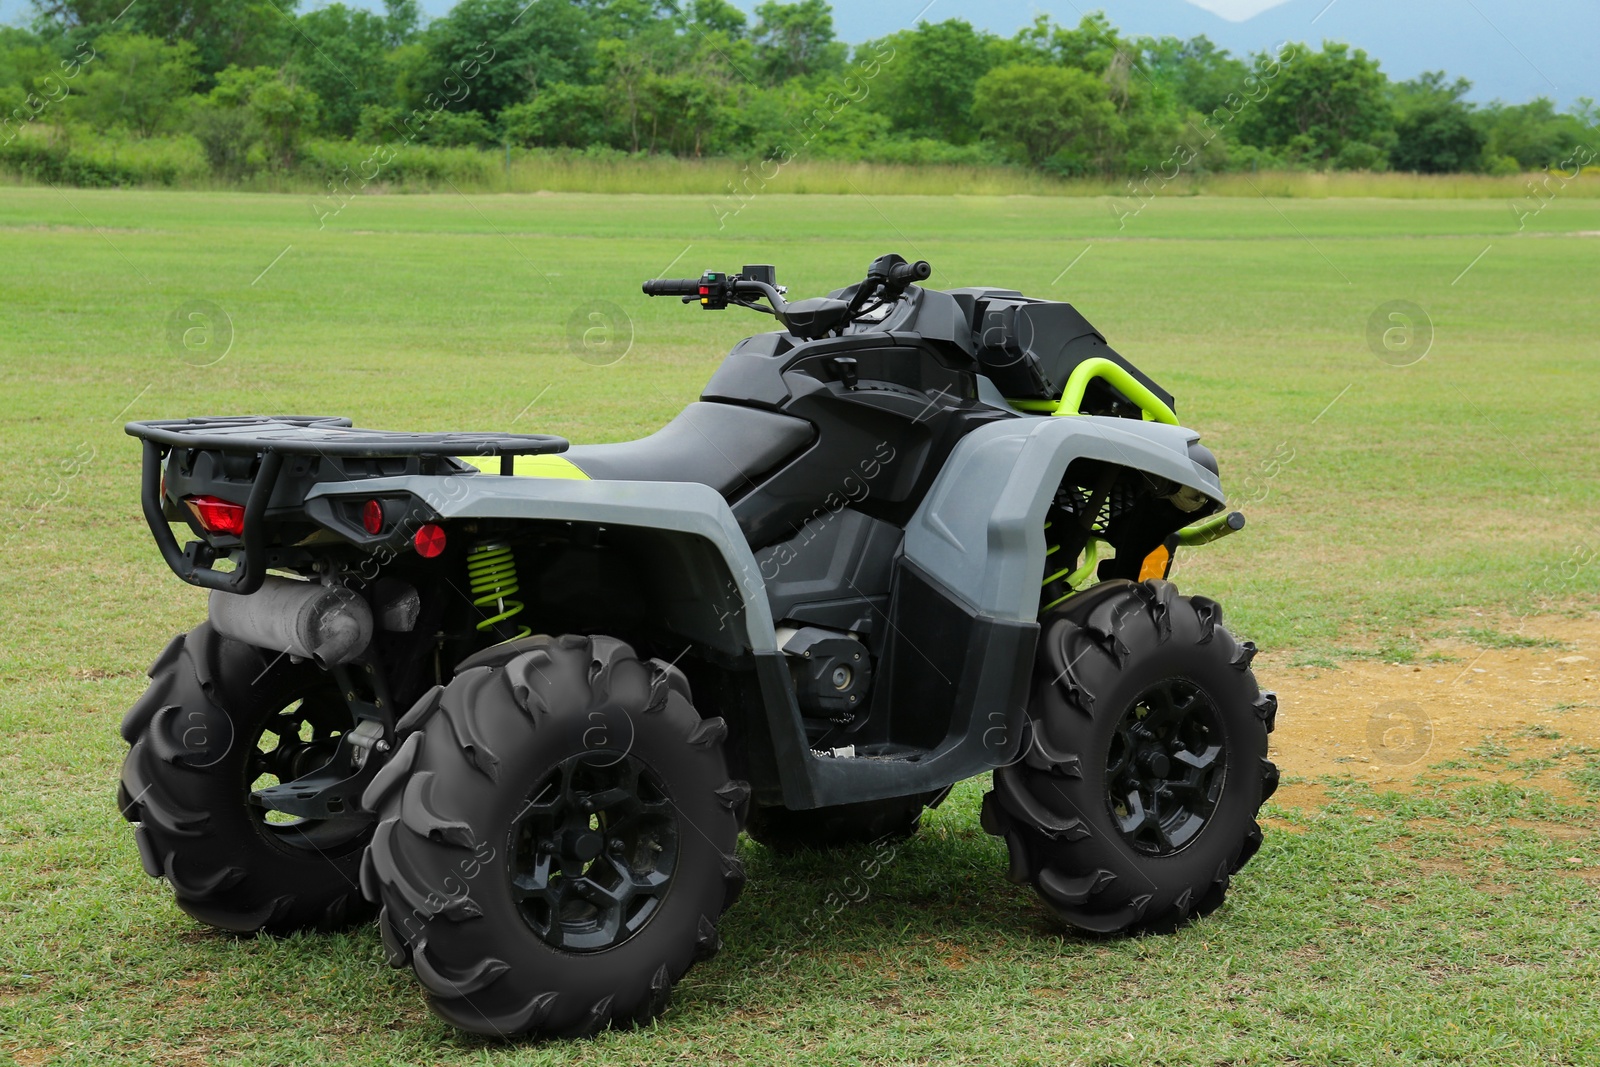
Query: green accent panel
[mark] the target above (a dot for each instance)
(531, 466)
(550, 467)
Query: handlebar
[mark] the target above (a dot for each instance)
(716, 290)
(903, 274)
(672, 287)
(887, 279)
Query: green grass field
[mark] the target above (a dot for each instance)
(1381, 928)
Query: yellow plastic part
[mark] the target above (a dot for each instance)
(531, 466)
(1155, 564)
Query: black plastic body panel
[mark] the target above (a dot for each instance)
(1029, 348)
(841, 557)
(953, 687)
(879, 442)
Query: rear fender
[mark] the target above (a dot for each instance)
(720, 599)
(716, 597)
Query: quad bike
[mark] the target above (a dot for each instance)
(523, 698)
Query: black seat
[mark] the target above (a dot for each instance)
(725, 446)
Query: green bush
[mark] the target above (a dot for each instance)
(226, 136)
(135, 83)
(1502, 166)
(1330, 108)
(562, 116)
(1246, 157)
(349, 168)
(76, 157)
(1357, 155)
(924, 152)
(1057, 118)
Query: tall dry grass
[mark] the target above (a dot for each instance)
(177, 163)
(726, 178)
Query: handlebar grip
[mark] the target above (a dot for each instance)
(906, 273)
(672, 287)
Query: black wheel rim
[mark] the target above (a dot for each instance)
(593, 852)
(1165, 768)
(292, 743)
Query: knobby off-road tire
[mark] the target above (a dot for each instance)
(788, 830)
(1136, 799)
(556, 839)
(217, 716)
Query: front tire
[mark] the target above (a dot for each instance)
(219, 718)
(556, 840)
(1136, 798)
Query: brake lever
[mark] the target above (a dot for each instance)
(869, 289)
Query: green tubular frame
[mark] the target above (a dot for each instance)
(1075, 578)
(1208, 530)
(1071, 402)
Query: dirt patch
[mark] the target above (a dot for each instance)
(955, 957)
(35, 1057)
(95, 674)
(1456, 707)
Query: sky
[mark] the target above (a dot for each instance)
(1237, 10)
(1512, 50)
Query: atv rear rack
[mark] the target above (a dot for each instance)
(272, 438)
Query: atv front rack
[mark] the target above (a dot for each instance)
(273, 438)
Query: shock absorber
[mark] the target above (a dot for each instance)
(492, 576)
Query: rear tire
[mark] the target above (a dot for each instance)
(1136, 798)
(556, 839)
(817, 829)
(218, 716)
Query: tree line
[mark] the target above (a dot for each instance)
(252, 80)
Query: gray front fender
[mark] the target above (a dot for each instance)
(980, 530)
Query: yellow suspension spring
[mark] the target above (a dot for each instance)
(492, 575)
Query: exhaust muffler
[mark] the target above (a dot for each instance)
(329, 625)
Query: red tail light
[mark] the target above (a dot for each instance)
(372, 517)
(216, 515)
(429, 541)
